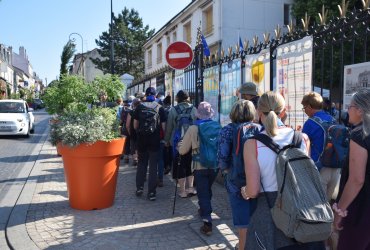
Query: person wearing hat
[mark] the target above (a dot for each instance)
(181, 166)
(204, 177)
(148, 141)
(249, 91)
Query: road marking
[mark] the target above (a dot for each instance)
(179, 55)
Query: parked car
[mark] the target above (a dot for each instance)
(38, 104)
(16, 118)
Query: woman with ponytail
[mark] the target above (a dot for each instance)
(259, 162)
(352, 212)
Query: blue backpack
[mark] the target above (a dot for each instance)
(183, 121)
(336, 144)
(208, 132)
(241, 133)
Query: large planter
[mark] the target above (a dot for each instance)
(91, 173)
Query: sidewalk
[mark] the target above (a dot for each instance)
(131, 223)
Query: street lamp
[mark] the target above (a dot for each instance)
(82, 47)
(111, 39)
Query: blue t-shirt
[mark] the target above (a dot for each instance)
(316, 134)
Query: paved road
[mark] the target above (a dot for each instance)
(17, 158)
(42, 218)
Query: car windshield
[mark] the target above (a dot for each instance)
(11, 107)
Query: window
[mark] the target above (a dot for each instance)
(149, 58)
(287, 13)
(208, 21)
(168, 40)
(187, 33)
(174, 37)
(159, 52)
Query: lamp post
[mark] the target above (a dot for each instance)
(82, 47)
(111, 39)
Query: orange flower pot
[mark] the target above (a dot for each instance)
(91, 173)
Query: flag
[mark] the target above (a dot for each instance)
(206, 50)
(241, 47)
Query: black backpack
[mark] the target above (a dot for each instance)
(148, 118)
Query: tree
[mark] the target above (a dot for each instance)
(313, 7)
(67, 54)
(129, 36)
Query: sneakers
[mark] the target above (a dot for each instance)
(191, 191)
(152, 196)
(206, 229)
(139, 192)
(167, 170)
(159, 183)
(183, 194)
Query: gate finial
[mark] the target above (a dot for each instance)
(305, 22)
(365, 4)
(343, 9)
(290, 28)
(324, 15)
(246, 44)
(266, 37)
(278, 32)
(255, 41)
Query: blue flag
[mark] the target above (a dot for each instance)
(241, 47)
(206, 50)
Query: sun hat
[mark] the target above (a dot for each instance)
(249, 88)
(204, 111)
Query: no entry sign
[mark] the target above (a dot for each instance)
(179, 55)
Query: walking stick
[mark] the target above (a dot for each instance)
(177, 181)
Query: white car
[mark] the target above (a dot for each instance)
(16, 118)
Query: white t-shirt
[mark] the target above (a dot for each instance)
(267, 158)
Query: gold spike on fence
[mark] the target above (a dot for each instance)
(291, 28)
(305, 22)
(266, 37)
(278, 32)
(323, 15)
(365, 4)
(246, 44)
(255, 41)
(343, 9)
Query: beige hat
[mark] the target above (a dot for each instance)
(248, 88)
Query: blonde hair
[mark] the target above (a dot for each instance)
(242, 111)
(313, 99)
(271, 104)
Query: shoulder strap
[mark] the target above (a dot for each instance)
(297, 139)
(267, 141)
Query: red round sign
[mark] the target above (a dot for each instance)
(179, 55)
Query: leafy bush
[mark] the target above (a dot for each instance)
(88, 126)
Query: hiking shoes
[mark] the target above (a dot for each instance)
(152, 197)
(160, 183)
(139, 192)
(206, 229)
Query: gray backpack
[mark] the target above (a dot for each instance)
(301, 210)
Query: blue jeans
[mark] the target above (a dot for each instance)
(204, 179)
(160, 162)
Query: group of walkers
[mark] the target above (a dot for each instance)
(181, 138)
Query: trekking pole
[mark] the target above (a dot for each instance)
(177, 181)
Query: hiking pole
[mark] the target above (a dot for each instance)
(177, 181)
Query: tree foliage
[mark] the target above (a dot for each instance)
(129, 35)
(313, 7)
(67, 54)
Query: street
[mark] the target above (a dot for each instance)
(17, 158)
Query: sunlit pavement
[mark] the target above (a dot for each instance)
(131, 223)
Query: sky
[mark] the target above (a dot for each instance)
(43, 27)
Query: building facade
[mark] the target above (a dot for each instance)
(221, 22)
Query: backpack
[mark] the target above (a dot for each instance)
(241, 132)
(124, 112)
(208, 132)
(301, 210)
(148, 118)
(183, 121)
(336, 144)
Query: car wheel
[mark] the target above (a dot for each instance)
(32, 129)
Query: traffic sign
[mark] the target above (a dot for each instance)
(179, 55)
